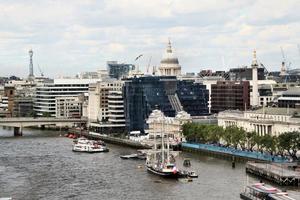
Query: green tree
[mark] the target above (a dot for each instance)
(268, 143)
(290, 142)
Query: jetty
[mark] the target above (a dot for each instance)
(110, 139)
(287, 174)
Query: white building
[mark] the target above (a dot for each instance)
(169, 65)
(116, 107)
(68, 107)
(45, 96)
(274, 121)
(172, 126)
(98, 109)
(106, 107)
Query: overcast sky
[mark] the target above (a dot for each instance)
(68, 37)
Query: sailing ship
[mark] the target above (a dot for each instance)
(159, 160)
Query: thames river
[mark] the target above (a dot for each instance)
(41, 165)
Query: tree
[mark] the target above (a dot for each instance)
(268, 143)
(290, 142)
(251, 140)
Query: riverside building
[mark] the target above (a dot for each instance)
(144, 94)
(106, 107)
(273, 121)
(45, 103)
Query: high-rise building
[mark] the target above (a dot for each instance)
(144, 94)
(119, 70)
(230, 95)
(169, 65)
(31, 75)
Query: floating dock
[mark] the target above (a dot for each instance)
(286, 174)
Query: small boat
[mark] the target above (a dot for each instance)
(260, 191)
(131, 156)
(137, 156)
(187, 163)
(90, 146)
(192, 174)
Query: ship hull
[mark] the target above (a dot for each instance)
(163, 174)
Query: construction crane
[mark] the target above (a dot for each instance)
(285, 59)
(41, 72)
(149, 64)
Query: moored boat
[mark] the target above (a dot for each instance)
(260, 191)
(160, 161)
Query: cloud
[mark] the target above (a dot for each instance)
(73, 35)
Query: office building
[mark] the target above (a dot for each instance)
(230, 95)
(46, 95)
(144, 94)
(119, 70)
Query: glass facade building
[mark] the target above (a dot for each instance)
(118, 70)
(144, 94)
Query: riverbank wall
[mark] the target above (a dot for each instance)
(230, 153)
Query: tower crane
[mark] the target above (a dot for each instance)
(149, 64)
(41, 72)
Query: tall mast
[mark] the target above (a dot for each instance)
(168, 144)
(162, 140)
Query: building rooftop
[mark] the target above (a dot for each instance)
(292, 91)
(276, 111)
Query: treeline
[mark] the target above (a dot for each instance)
(235, 137)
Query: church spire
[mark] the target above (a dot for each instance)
(169, 47)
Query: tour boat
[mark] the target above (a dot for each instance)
(89, 146)
(260, 191)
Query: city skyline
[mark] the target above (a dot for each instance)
(74, 36)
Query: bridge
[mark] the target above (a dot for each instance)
(20, 122)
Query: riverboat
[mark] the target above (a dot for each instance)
(89, 146)
(260, 191)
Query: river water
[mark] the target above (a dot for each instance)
(41, 165)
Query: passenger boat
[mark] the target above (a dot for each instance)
(260, 191)
(90, 146)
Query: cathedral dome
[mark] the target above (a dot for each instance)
(169, 57)
(169, 65)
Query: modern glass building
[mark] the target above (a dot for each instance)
(144, 94)
(118, 70)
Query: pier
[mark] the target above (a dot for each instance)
(110, 139)
(282, 174)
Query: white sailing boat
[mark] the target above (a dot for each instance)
(159, 160)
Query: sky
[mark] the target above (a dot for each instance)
(71, 36)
